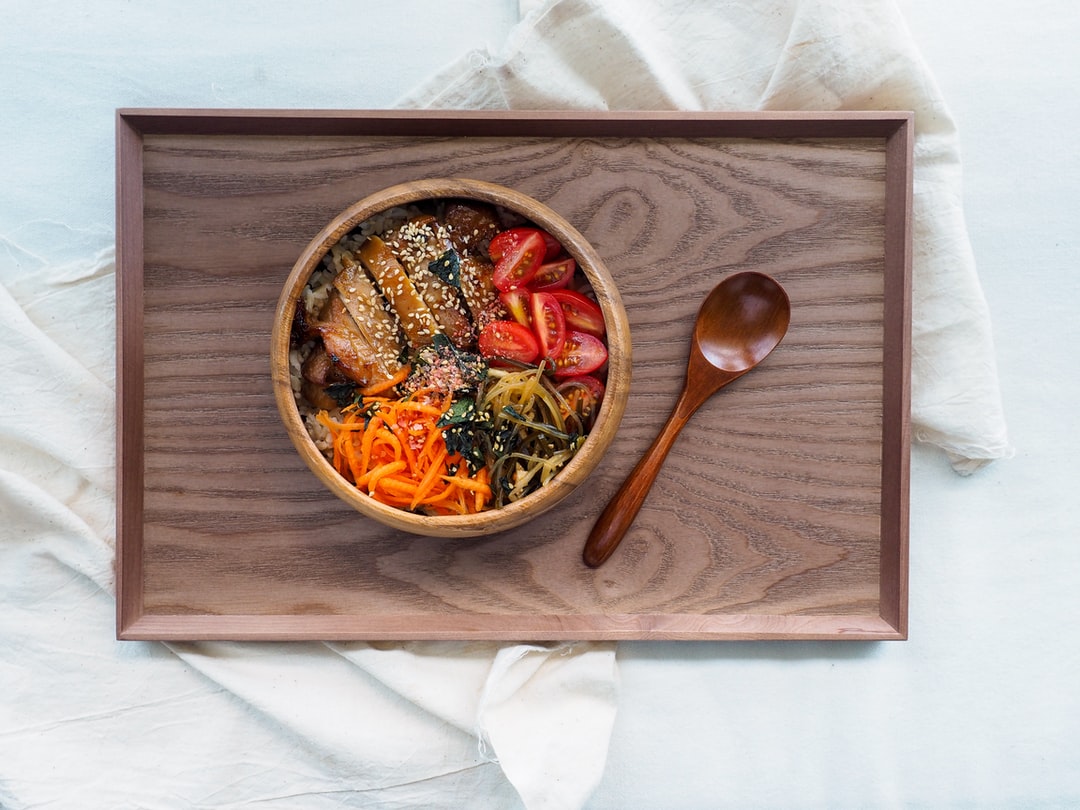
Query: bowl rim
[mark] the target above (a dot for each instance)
(612, 408)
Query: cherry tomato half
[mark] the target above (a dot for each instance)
(517, 254)
(582, 353)
(548, 323)
(554, 275)
(509, 340)
(583, 395)
(517, 304)
(581, 312)
(552, 248)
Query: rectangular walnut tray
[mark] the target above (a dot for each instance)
(781, 513)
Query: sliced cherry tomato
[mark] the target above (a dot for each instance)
(594, 388)
(509, 340)
(554, 275)
(582, 313)
(552, 248)
(517, 304)
(517, 254)
(583, 395)
(548, 323)
(582, 353)
(504, 242)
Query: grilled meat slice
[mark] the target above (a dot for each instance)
(416, 244)
(349, 349)
(415, 316)
(319, 368)
(471, 225)
(370, 313)
(479, 292)
(317, 372)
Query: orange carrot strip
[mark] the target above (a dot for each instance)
(383, 455)
(323, 418)
(436, 500)
(349, 424)
(423, 489)
(421, 393)
(451, 507)
(334, 428)
(442, 491)
(433, 437)
(402, 435)
(343, 455)
(370, 479)
(395, 501)
(481, 497)
(351, 455)
(368, 440)
(470, 484)
(385, 436)
(421, 407)
(399, 376)
(397, 485)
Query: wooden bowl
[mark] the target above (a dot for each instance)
(618, 340)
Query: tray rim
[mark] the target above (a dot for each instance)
(897, 129)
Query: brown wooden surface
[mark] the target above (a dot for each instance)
(782, 510)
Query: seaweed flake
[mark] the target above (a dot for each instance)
(343, 393)
(448, 268)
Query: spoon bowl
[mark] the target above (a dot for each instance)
(739, 324)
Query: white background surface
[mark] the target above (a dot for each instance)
(980, 707)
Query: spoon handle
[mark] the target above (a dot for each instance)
(621, 510)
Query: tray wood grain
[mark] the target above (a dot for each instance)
(782, 511)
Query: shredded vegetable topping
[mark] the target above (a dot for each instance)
(433, 453)
(395, 451)
(447, 364)
(533, 439)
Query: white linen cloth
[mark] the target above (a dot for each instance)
(777, 55)
(89, 722)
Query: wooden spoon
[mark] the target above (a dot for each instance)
(739, 324)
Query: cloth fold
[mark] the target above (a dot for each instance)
(422, 724)
(777, 55)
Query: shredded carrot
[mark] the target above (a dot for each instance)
(426, 484)
(468, 484)
(370, 479)
(394, 451)
(399, 376)
(367, 440)
(482, 495)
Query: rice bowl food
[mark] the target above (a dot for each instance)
(450, 357)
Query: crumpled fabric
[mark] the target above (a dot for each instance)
(776, 55)
(89, 722)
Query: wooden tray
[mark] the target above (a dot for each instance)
(782, 511)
